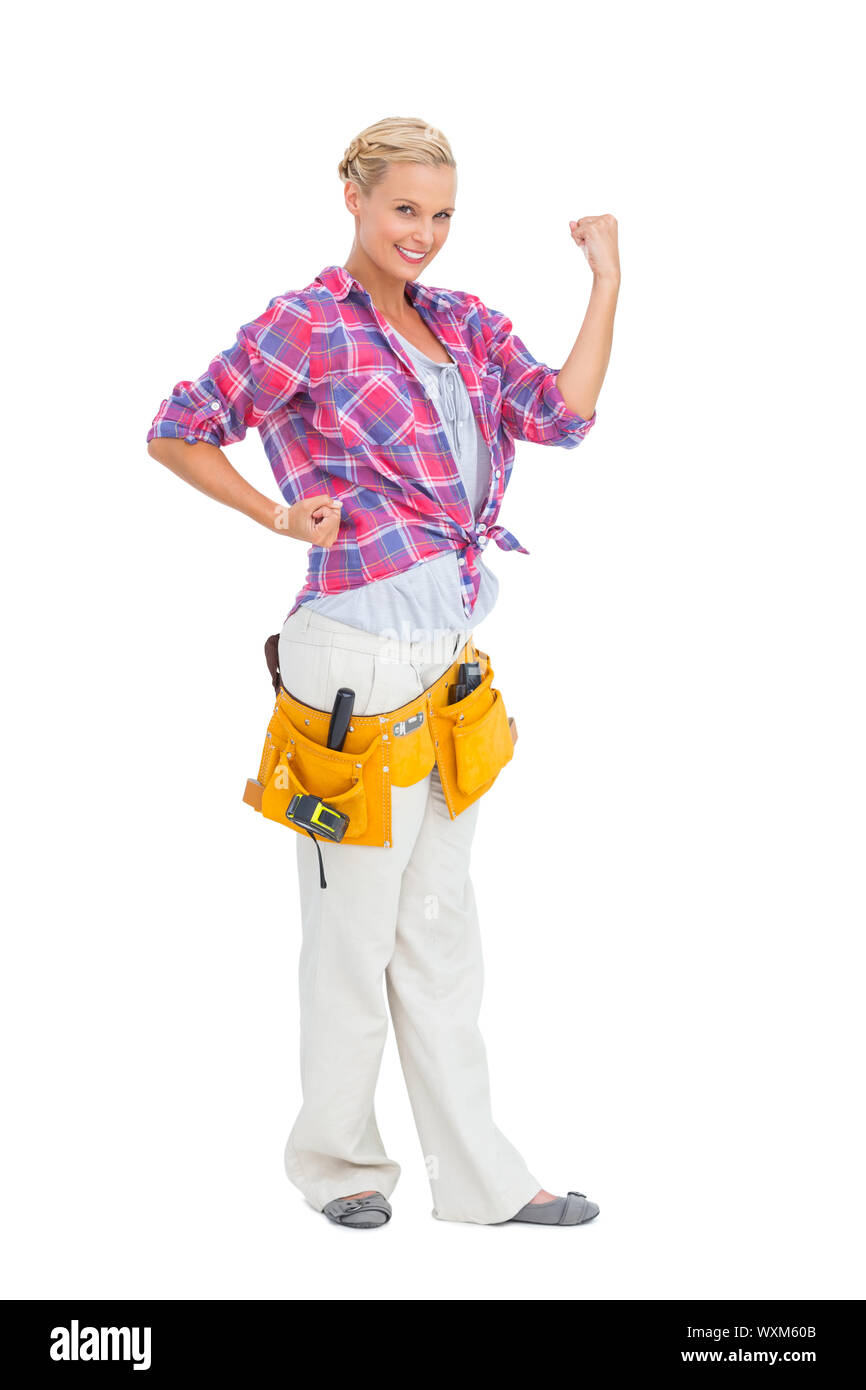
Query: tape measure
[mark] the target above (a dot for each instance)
(310, 813)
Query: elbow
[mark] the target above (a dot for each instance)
(166, 449)
(156, 448)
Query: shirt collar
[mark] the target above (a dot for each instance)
(337, 279)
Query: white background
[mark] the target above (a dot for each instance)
(670, 872)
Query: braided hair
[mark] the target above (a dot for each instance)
(395, 139)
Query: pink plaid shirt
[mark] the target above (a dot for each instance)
(335, 398)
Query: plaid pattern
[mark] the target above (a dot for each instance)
(334, 396)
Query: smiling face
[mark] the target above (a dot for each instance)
(404, 221)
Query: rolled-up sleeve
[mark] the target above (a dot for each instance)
(267, 364)
(533, 407)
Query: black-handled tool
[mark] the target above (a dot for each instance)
(468, 677)
(308, 811)
(341, 716)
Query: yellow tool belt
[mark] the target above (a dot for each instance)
(471, 740)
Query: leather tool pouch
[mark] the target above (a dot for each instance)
(475, 739)
(470, 740)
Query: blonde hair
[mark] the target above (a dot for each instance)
(405, 139)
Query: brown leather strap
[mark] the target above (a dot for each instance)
(272, 656)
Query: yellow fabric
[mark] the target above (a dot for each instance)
(471, 741)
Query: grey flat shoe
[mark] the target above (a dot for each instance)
(365, 1212)
(571, 1210)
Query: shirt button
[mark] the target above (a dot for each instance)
(482, 525)
(497, 472)
(214, 405)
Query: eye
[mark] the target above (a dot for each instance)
(406, 207)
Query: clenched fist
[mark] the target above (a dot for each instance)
(597, 238)
(312, 519)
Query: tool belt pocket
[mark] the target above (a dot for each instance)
(483, 747)
(350, 782)
(478, 741)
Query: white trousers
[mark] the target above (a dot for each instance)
(406, 915)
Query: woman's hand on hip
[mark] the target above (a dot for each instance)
(315, 520)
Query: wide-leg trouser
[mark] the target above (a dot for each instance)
(404, 915)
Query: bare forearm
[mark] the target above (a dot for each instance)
(206, 467)
(582, 374)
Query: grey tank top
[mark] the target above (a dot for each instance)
(428, 596)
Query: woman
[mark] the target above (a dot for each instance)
(388, 410)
